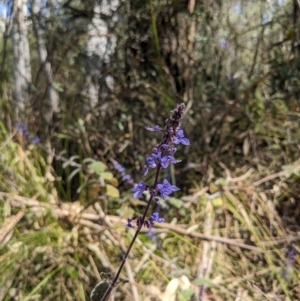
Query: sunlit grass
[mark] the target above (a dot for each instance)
(58, 249)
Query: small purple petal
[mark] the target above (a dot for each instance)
(290, 255)
(164, 162)
(172, 160)
(151, 234)
(120, 168)
(180, 134)
(139, 189)
(156, 218)
(166, 189)
(117, 166)
(172, 150)
(185, 141)
(224, 43)
(157, 156)
(126, 177)
(151, 162)
(181, 139)
(146, 170)
(35, 140)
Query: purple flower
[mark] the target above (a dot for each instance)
(151, 234)
(126, 177)
(22, 129)
(156, 218)
(120, 169)
(156, 159)
(151, 162)
(166, 188)
(224, 43)
(117, 166)
(156, 128)
(169, 149)
(287, 269)
(152, 219)
(146, 170)
(166, 160)
(180, 139)
(35, 140)
(290, 252)
(139, 189)
(147, 223)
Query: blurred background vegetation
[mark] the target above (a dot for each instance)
(80, 80)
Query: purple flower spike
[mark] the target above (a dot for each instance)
(162, 156)
(180, 139)
(156, 128)
(139, 189)
(166, 188)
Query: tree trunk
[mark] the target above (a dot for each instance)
(21, 54)
(100, 47)
(53, 97)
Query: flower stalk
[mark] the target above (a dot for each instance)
(160, 159)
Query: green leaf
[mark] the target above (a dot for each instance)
(73, 173)
(88, 160)
(175, 202)
(63, 136)
(125, 212)
(80, 124)
(106, 175)
(112, 191)
(186, 294)
(85, 184)
(182, 211)
(97, 167)
(258, 96)
(217, 202)
(221, 182)
(57, 86)
(203, 281)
